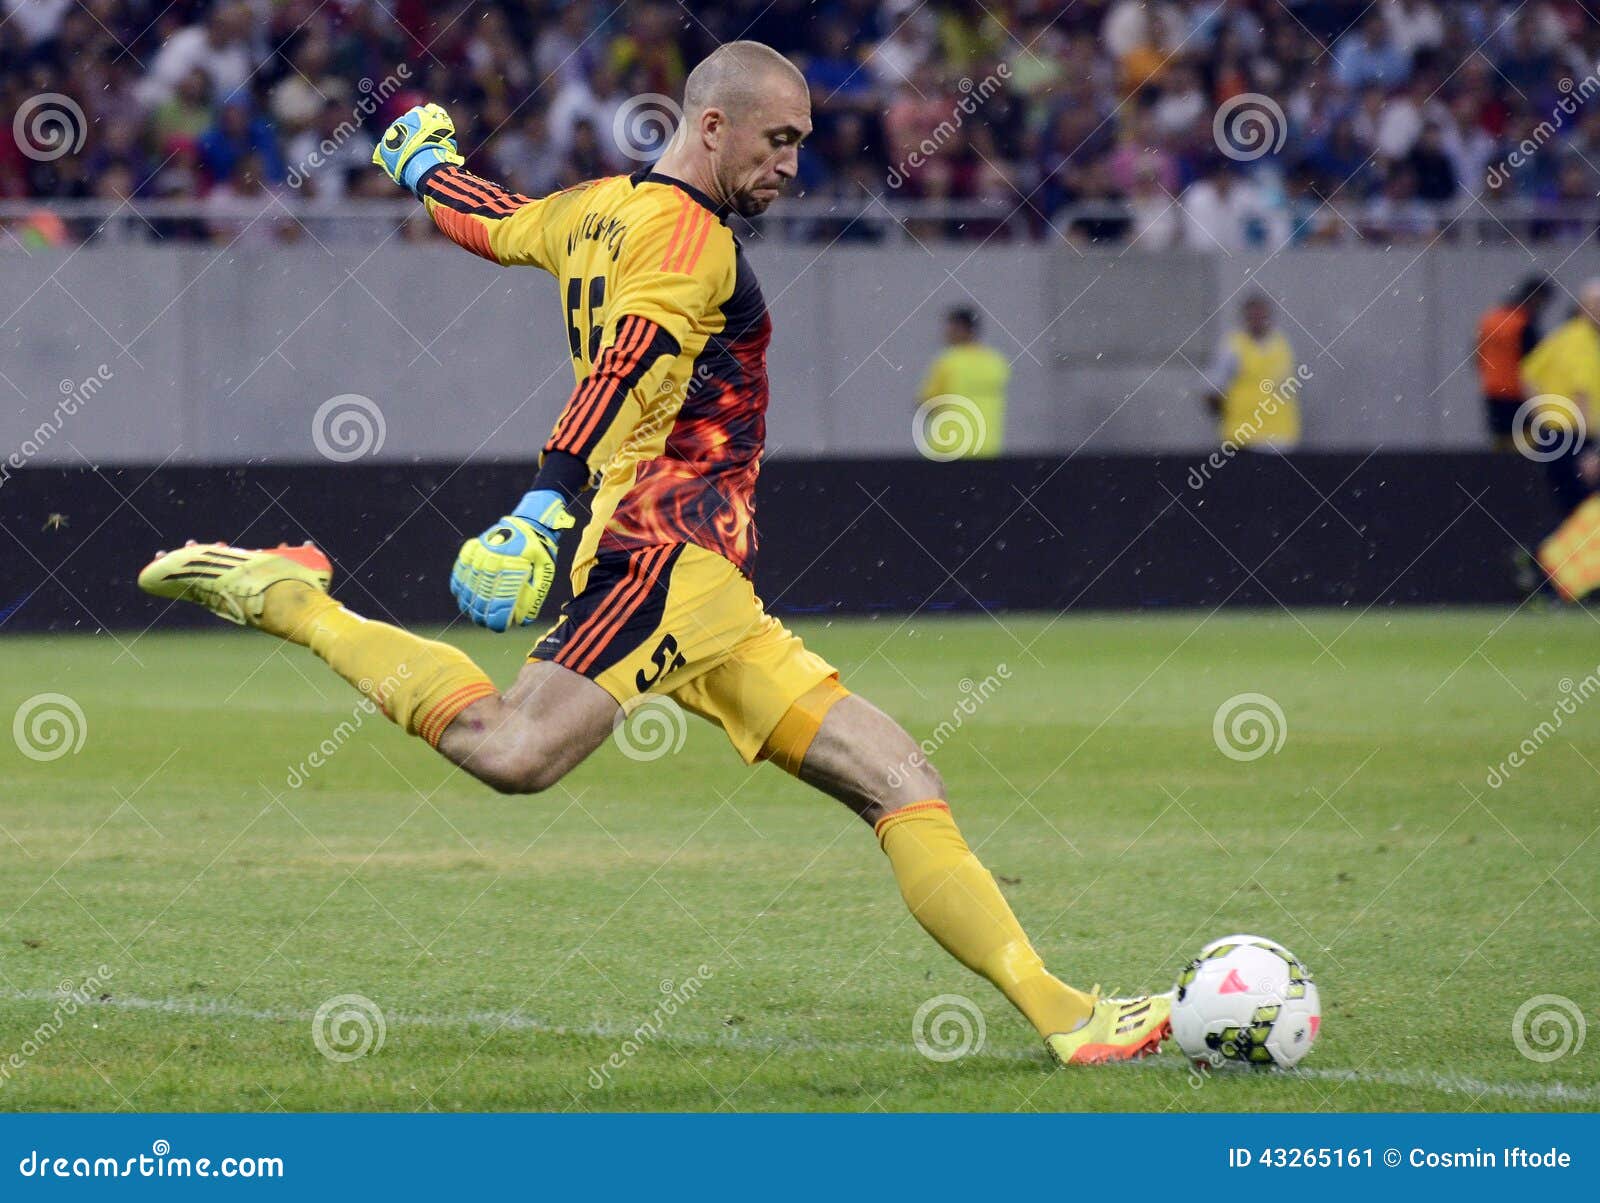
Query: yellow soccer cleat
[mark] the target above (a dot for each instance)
(1120, 1029)
(232, 582)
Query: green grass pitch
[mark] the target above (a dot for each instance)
(515, 946)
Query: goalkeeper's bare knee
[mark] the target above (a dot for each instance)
(527, 739)
(499, 745)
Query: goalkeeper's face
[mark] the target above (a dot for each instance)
(758, 154)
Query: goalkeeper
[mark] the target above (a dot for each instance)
(668, 334)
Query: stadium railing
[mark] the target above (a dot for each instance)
(866, 219)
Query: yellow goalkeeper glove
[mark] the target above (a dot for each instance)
(502, 577)
(415, 141)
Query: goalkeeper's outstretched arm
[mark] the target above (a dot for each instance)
(418, 151)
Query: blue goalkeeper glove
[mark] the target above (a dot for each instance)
(502, 577)
(417, 140)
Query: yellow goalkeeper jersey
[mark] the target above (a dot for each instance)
(668, 333)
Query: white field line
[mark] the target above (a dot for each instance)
(1452, 1084)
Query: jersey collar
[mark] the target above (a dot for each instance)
(694, 194)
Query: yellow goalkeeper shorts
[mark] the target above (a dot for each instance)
(680, 621)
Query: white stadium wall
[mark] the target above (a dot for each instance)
(206, 358)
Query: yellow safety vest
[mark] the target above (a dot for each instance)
(1262, 400)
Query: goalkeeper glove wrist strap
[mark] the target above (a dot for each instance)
(417, 170)
(546, 511)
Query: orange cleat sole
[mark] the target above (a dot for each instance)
(1100, 1054)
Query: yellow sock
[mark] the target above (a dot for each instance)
(956, 900)
(420, 684)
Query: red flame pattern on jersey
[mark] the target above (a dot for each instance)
(702, 487)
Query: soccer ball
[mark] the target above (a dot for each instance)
(1245, 1000)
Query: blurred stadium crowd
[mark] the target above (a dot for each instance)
(1096, 120)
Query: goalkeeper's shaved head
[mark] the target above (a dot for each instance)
(746, 109)
(735, 76)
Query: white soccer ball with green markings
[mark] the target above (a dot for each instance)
(1246, 1001)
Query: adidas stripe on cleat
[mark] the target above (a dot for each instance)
(1119, 1029)
(231, 581)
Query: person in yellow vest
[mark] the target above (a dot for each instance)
(1561, 378)
(962, 411)
(1255, 387)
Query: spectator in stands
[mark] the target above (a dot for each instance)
(1254, 387)
(1368, 55)
(1433, 167)
(1398, 214)
(184, 116)
(218, 47)
(327, 155)
(1224, 211)
(237, 133)
(972, 373)
(244, 210)
(526, 158)
(1136, 80)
